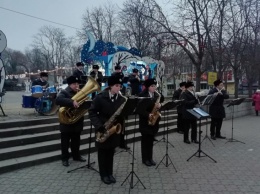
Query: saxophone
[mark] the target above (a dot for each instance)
(156, 114)
(110, 128)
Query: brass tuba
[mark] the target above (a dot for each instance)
(71, 115)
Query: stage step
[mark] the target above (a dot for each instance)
(37, 141)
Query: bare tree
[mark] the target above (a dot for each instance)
(101, 21)
(52, 44)
(15, 62)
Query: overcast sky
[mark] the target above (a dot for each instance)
(19, 29)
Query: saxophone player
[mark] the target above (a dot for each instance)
(103, 107)
(119, 73)
(70, 133)
(144, 110)
(189, 102)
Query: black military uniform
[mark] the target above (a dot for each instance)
(217, 111)
(119, 74)
(98, 77)
(148, 132)
(134, 82)
(70, 133)
(41, 81)
(102, 108)
(189, 120)
(176, 96)
(79, 73)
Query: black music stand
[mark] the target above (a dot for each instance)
(234, 102)
(166, 108)
(208, 101)
(88, 165)
(132, 173)
(126, 111)
(199, 114)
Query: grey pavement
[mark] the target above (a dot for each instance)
(237, 169)
(12, 106)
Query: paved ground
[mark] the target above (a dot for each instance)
(237, 169)
(12, 105)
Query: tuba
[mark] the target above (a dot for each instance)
(72, 115)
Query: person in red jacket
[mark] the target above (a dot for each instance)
(256, 99)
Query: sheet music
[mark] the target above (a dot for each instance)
(201, 112)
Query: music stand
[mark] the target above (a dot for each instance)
(86, 105)
(126, 111)
(132, 173)
(166, 107)
(199, 114)
(208, 101)
(234, 102)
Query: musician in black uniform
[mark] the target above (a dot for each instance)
(217, 110)
(144, 109)
(176, 96)
(42, 81)
(97, 75)
(70, 133)
(102, 109)
(188, 119)
(119, 73)
(79, 72)
(134, 82)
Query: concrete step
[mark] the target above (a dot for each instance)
(45, 152)
(36, 148)
(36, 159)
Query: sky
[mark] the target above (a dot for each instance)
(20, 29)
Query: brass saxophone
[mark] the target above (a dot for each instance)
(110, 128)
(155, 113)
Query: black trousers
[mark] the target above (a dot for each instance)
(215, 126)
(147, 147)
(105, 161)
(180, 123)
(187, 124)
(71, 140)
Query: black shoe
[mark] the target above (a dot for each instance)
(221, 137)
(112, 179)
(187, 141)
(195, 141)
(213, 137)
(124, 147)
(80, 159)
(65, 163)
(180, 132)
(147, 163)
(106, 180)
(152, 162)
